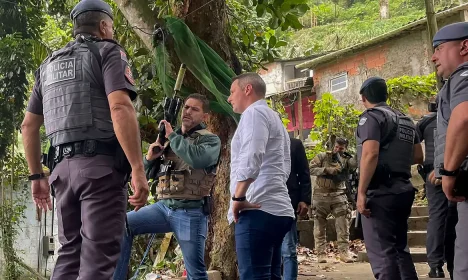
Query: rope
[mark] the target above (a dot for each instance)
(144, 257)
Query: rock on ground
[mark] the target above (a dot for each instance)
(351, 271)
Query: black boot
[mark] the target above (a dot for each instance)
(436, 272)
(451, 275)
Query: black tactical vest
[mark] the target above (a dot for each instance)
(428, 126)
(396, 145)
(74, 102)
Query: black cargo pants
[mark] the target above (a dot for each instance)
(91, 207)
(385, 236)
(438, 209)
(450, 236)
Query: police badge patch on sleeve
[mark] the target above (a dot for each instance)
(129, 75)
(362, 121)
(123, 56)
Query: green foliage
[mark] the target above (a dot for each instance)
(341, 24)
(279, 108)
(402, 90)
(12, 209)
(332, 119)
(259, 28)
(20, 25)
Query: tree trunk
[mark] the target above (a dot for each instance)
(206, 19)
(384, 9)
(431, 31)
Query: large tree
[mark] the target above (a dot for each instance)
(211, 22)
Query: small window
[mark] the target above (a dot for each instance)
(339, 83)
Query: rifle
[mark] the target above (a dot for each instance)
(351, 188)
(423, 174)
(172, 107)
(354, 179)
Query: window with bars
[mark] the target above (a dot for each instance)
(339, 83)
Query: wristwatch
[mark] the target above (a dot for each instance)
(239, 198)
(36, 176)
(444, 172)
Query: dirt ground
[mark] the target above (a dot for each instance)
(352, 271)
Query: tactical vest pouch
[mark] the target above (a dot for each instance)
(177, 181)
(164, 183)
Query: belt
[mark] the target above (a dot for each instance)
(338, 193)
(88, 148)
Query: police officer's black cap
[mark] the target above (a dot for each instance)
(451, 32)
(371, 81)
(91, 5)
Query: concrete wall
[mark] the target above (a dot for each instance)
(273, 77)
(30, 237)
(405, 55)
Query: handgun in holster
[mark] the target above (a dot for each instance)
(208, 204)
(121, 162)
(461, 182)
(49, 160)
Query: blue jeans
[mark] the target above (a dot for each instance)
(189, 227)
(259, 236)
(288, 250)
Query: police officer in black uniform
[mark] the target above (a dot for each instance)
(387, 147)
(437, 202)
(83, 94)
(451, 60)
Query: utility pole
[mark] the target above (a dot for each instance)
(431, 30)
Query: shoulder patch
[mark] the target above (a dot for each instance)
(123, 56)
(129, 75)
(362, 121)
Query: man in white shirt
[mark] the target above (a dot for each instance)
(260, 167)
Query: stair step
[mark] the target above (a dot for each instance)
(418, 254)
(418, 223)
(417, 238)
(418, 211)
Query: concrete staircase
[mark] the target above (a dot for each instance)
(417, 226)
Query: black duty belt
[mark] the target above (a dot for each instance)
(88, 148)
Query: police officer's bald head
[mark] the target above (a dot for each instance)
(451, 48)
(374, 90)
(93, 17)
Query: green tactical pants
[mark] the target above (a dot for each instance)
(338, 207)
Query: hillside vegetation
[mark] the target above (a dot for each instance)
(332, 25)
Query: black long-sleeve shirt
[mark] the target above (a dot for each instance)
(299, 184)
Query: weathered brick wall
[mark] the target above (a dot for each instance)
(408, 54)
